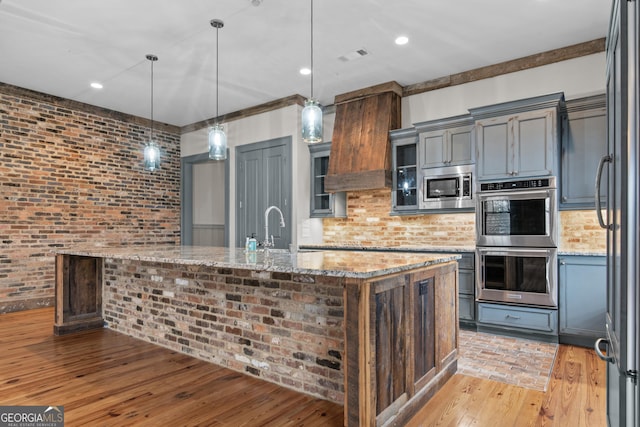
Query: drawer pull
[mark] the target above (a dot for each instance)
(511, 316)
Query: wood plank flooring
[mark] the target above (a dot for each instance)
(575, 397)
(103, 378)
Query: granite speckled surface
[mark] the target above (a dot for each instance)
(426, 249)
(580, 253)
(355, 264)
(416, 249)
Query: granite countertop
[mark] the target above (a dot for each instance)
(413, 248)
(580, 253)
(354, 264)
(424, 249)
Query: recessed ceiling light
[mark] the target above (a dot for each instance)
(402, 40)
(96, 85)
(305, 71)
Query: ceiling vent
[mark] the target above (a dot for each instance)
(353, 55)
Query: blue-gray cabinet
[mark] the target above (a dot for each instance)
(467, 289)
(582, 299)
(446, 142)
(404, 194)
(518, 320)
(584, 142)
(323, 204)
(518, 138)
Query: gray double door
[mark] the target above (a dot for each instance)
(263, 179)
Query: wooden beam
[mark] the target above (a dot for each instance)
(531, 61)
(247, 112)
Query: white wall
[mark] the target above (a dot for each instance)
(577, 78)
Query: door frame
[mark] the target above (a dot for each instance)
(186, 197)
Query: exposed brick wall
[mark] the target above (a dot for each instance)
(282, 327)
(369, 223)
(72, 174)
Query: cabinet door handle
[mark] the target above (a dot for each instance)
(603, 160)
(511, 316)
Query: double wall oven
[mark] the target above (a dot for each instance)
(516, 245)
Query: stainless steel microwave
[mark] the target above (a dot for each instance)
(447, 188)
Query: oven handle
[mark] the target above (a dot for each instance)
(603, 160)
(515, 194)
(506, 252)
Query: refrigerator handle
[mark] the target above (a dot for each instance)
(603, 160)
(609, 359)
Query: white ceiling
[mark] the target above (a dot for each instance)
(60, 46)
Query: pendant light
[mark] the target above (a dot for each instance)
(217, 137)
(311, 113)
(151, 149)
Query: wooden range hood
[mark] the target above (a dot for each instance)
(360, 157)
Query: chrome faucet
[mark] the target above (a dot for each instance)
(268, 243)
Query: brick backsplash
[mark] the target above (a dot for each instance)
(72, 174)
(282, 327)
(369, 223)
(580, 232)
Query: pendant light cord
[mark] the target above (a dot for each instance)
(311, 49)
(152, 61)
(217, 73)
(217, 24)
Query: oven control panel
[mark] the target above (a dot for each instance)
(518, 185)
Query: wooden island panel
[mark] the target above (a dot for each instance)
(401, 343)
(78, 293)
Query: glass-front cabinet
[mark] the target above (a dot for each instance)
(323, 204)
(405, 170)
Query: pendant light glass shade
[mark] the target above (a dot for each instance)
(311, 122)
(311, 113)
(217, 137)
(151, 149)
(217, 143)
(151, 156)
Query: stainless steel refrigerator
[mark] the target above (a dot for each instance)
(619, 171)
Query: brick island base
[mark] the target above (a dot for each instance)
(381, 344)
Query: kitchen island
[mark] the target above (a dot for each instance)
(375, 331)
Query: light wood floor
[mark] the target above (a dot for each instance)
(104, 378)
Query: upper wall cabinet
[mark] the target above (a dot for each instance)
(584, 142)
(404, 195)
(519, 138)
(323, 204)
(446, 142)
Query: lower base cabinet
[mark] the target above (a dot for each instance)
(467, 289)
(582, 299)
(519, 320)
